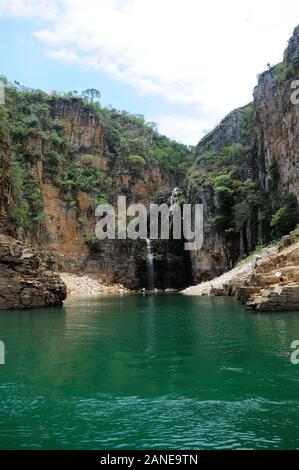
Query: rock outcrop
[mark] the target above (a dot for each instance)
(273, 284)
(270, 161)
(224, 135)
(275, 298)
(23, 283)
(270, 283)
(220, 252)
(277, 123)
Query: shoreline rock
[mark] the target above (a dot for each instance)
(23, 283)
(219, 285)
(275, 298)
(268, 282)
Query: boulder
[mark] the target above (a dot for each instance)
(286, 241)
(10, 250)
(22, 283)
(275, 298)
(255, 261)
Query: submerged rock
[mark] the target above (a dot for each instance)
(23, 284)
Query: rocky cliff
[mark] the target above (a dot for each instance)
(61, 157)
(24, 283)
(224, 179)
(246, 172)
(277, 124)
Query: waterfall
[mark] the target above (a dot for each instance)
(173, 196)
(150, 266)
(175, 192)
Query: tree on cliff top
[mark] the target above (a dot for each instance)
(91, 94)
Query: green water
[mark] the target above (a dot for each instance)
(166, 372)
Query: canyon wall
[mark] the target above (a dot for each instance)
(71, 180)
(68, 228)
(228, 152)
(277, 122)
(61, 156)
(265, 136)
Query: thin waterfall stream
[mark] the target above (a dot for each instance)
(150, 266)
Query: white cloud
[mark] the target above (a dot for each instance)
(199, 56)
(183, 128)
(44, 9)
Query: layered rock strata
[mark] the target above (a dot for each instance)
(23, 282)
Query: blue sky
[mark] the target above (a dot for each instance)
(23, 59)
(182, 63)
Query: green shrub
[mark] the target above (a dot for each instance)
(247, 126)
(18, 214)
(283, 71)
(222, 180)
(94, 244)
(273, 175)
(136, 161)
(53, 161)
(285, 219)
(102, 200)
(4, 123)
(220, 222)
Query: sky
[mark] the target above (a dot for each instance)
(183, 64)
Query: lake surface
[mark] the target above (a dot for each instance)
(148, 372)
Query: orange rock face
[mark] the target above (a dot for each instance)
(68, 228)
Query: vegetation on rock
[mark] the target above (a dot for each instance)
(40, 147)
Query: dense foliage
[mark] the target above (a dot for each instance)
(133, 138)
